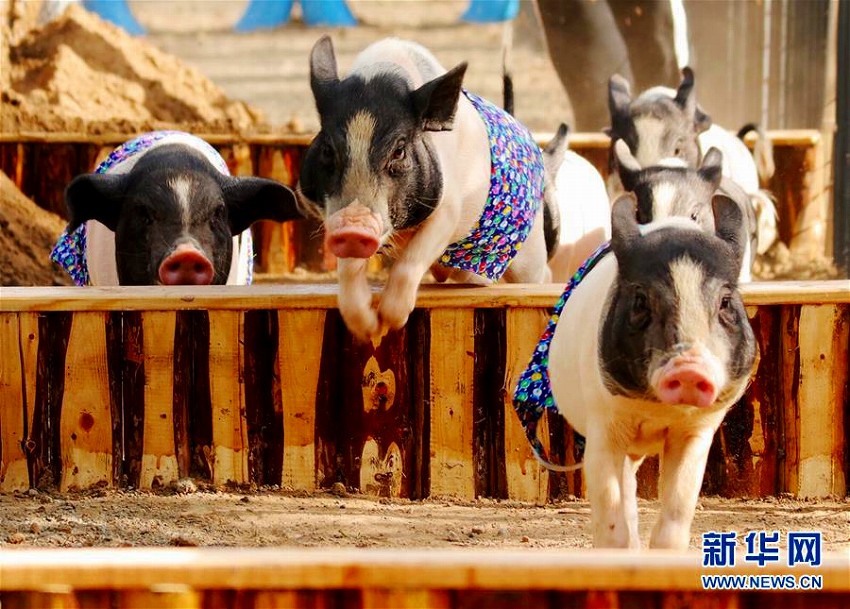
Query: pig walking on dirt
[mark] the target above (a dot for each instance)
(645, 355)
(407, 159)
(163, 209)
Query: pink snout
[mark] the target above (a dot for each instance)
(352, 242)
(686, 383)
(186, 265)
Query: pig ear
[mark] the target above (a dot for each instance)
(627, 164)
(435, 102)
(684, 94)
(619, 96)
(95, 196)
(729, 224)
(252, 199)
(323, 70)
(624, 226)
(702, 120)
(711, 169)
(555, 150)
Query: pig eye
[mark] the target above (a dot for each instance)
(725, 303)
(144, 215)
(399, 153)
(695, 216)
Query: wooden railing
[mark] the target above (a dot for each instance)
(42, 164)
(263, 385)
(191, 578)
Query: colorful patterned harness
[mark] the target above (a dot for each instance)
(515, 196)
(70, 250)
(533, 393)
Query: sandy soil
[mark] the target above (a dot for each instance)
(273, 518)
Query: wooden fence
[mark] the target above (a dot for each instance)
(191, 578)
(41, 165)
(263, 385)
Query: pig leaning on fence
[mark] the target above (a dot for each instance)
(163, 209)
(665, 191)
(406, 158)
(663, 123)
(647, 350)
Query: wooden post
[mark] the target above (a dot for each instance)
(301, 336)
(229, 428)
(821, 397)
(159, 456)
(451, 365)
(527, 479)
(86, 420)
(16, 398)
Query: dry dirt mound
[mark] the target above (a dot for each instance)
(81, 74)
(27, 234)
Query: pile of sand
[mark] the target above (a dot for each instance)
(27, 235)
(80, 74)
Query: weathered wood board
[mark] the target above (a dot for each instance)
(264, 386)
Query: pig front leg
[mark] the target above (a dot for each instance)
(682, 468)
(399, 296)
(611, 488)
(355, 299)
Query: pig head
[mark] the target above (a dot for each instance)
(656, 367)
(664, 191)
(402, 162)
(173, 215)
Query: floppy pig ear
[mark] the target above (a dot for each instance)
(323, 70)
(627, 164)
(711, 169)
(252, 199)
(624, 226)
(619, 96)
(95, 196)
(729, 224)
(554, 151)
(435, 102)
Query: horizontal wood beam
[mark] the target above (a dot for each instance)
(323, 296)
(437, 569)
(785, 137)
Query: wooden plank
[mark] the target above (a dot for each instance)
(86, 420)
(824, 333)
(405, 598)
(323, 296)
(451, 366)
(300, 353)
(14, 475)
(363, 568)
(229, 427)
(790, 413)
(527, 480)
(162, 596)
(159, 455)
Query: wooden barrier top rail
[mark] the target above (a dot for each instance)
(311, 568)
(786, 137)
(323, 296)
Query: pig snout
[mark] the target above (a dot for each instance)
(186, 265)
(686, 379)
(353, 232)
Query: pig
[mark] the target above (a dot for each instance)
(577, 212)
(645, 356)
(163, 209)
(663, 123)
(673, 189)
(408, 161)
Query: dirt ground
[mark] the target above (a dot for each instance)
(274, 518)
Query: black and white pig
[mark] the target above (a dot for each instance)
(163, 209)
(649, 352)
(669, 190)
(663, 123)
(577, 209)
(406, 158)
